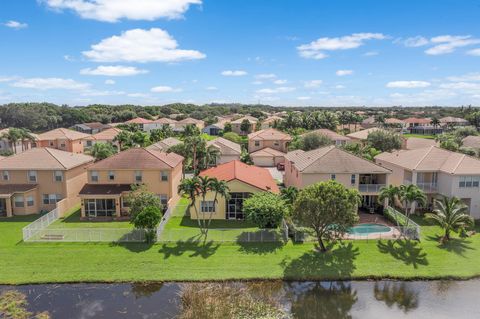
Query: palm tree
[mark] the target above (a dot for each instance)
(12, 136)
(289, 194)
(411, 195)
(210, 156)
(25, 135)
(451, 215)
(221, 189)
(194, 145)
(123, 138)
(435, 122)
(391, 193)
(189, 187)
(204, 186)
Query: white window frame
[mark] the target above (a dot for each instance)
(207, 206)
(30, 201)
(164, 176)
(138, 174)
(29, 176)
(94, 176)
(6, 175)
(56, 175)
(353, 179)
(17, 202)
(111, 175)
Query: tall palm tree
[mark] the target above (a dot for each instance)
(435, 122)
(451, 215)
(123, 138)
(25, 135)
(189, 187)
(391, 193)
(12, 136)
(289, 194)
(220, 188)
(210, 156)
(411, 195)
(194, 145)
(204, 186)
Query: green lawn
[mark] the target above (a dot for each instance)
(430, 137)
(207, 137)
(72, 220)
(86, 262)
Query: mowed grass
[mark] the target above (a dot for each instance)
(88, 262)
(430, 137)
(72, 220)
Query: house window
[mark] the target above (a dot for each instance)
(19, 201)
(333, 177)
(138, 176)
(257, 143)
(99, 207)
(111, 175)
(163, 200)
(164, 176)
(32, 176)
(276, 143)
(51, 143)
(89, 143)
(30, 201)
(353, 179)
(6, 176)
(58, 175)
(469, 181)
(94, 176)
(62, 145)
(207, 206)
(50, 199)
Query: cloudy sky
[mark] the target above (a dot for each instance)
(279, 52)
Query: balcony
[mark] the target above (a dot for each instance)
(428, 187)
(370, 188)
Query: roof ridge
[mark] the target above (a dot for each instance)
(423, 157)
(48, 150)
(459, 162)
(154, 155)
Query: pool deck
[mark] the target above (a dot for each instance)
(366, 218)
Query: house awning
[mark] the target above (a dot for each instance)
(8, 190)
(104, 189)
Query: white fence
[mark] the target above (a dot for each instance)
(40, 224)
(407, 226)
(86, 235)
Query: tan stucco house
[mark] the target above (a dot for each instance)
(228, 150)
(437, 172)
(243, 180)
(331, 163)
(271, 138)
(337, 139)
(105, 136)
(237, 124)
(63, 139)
(165, 144)
(109, 180)
(41, 179)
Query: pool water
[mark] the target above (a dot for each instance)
(369, 229)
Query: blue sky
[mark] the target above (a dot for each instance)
(279, 52)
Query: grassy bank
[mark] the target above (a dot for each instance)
(74, 262)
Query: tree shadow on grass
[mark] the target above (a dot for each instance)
(407, 251)
(197, 248)
(458, 246)
(336, 263)
(260, 242)
(133, 247)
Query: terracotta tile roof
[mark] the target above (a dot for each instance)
(190, 120)
(413, 143)
(106, 135)
(138, 120)
(165, 144)
(44, 158)
(451, 119)
(9, 189)
(104, 189)
(269, 134)
(251, 119)
(225, 146)
(334, 136)
(95, 125)
(272, 119)
(330, 160)
(363, 134)
(431, 159)
(62, 133)
(235, 170)
(418, 120)
(164, 120)
(266, 152)
(393, 120)
(471, 141)
(139, 158)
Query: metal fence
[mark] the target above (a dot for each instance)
(40, 224)
(224, 235)
(404, 224)
(89, 235)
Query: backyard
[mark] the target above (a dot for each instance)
(192, 260)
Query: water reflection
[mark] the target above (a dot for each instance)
(395, 293)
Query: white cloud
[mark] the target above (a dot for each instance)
(265, 76)
(50, 84)
(109, 82)
(15, 25)
(474, 52)
(417, 41)
(344, 72)
(139, 45)
(69, 58)
(281, 89)
(114, 10)
(257, 82)
(465, 77)
(313, 83)
(138, 95)
(339, 86)
(211, 88)
(448, 43)
(7, 78)
(164, 89)
(408, 84)
(113, 70)
(234, 73)
(317, 48)
(280, 82)
(370, 53)
(461, 86)
(303, 98)
(102, 93)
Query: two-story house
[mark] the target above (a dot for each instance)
(227, 150)
(109, 180)
(268, 147)
(337, 139)
(237, 125)
(91, 128)
(331, 163)
(41, 179)
(63, 139)
(105, 136)
(437, 172)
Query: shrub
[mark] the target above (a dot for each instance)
(265, 210)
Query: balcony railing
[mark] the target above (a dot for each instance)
(370, 188)
(428, 187)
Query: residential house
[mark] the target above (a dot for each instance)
(228, 150)
(267, 157)
(394, 122)
(450, 121)
(243, 181)
(180, 125)
(237, 125)
(140, 121)
(336, 138)
(63, 139)
(271, 138)
(437, 172)
(165, 144)
(369, 122)
(18, 146)
(110, 180)
(41, 179)
(159, 123)
(362, 135)
(472, 141)
(413, 143)
(331, 163)
(422, 126)
(105, 136)
(91, 128)
(270, 122)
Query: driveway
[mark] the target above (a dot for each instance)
(276, 174)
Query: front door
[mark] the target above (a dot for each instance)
(3, 207)
(91, 208)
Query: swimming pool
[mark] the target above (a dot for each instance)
(364, 229)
